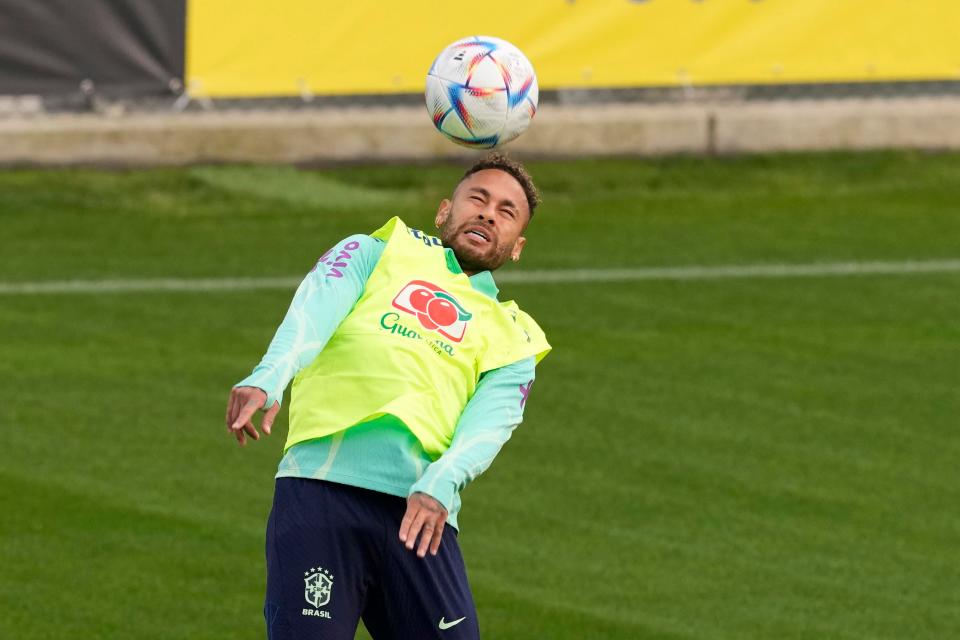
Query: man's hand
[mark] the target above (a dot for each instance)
(424, 514)
(243, 403)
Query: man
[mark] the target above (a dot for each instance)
(408, 378)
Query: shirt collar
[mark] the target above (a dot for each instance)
(482, 281)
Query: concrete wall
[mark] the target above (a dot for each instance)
(405, 133)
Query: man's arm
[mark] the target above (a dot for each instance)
(323, 299)
(485, 425)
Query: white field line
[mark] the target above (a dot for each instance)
(747, 271)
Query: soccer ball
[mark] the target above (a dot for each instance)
(481, 92)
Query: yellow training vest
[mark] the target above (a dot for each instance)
(413, 346)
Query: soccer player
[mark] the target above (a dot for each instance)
(408, 378)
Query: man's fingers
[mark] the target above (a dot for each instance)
(426, 537)
(241, 438)
(415, 528)
(407, 522)
(245, 414)
(424, 519)
(269, 417)
(232, 407)
(437, 534)
(252, 430)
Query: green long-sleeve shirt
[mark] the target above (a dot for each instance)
(382, 454)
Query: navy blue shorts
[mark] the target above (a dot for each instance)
(334, 556)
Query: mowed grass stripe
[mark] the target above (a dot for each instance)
(815, 269)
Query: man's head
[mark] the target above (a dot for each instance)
(484, 220)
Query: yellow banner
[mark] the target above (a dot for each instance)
(248, 48)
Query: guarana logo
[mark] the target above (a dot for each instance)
(436, 309)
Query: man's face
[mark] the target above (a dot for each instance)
(483, 222)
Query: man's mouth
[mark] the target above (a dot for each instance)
(478, 233)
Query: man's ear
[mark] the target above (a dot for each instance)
(517, 248)
(443, 212)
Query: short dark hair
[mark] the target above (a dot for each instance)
(497, 160)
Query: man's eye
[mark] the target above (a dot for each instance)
(477, 198)
(510, 212)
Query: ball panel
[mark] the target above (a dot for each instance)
(522, 92)
(438, 105)
(476, 143)
(482, 112)
(454, 125)
(520, 114)
(486, 74)
(457, 62)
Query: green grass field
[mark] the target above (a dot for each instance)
(715, 459)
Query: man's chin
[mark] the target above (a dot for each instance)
(471, 259)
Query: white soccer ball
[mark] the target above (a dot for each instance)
(481, 92)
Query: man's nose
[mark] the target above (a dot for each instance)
(489, 218)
